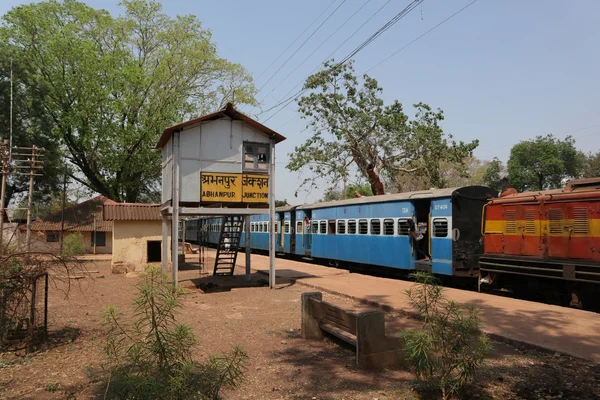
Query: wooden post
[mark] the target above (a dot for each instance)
(30, 199)
(247, 246)
(5, 166)
(272, 279)
(310, 325)
(62, 211)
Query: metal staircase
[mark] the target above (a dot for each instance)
(229, 242)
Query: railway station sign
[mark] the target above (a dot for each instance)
(234, 188)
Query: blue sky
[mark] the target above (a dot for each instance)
(502, 71)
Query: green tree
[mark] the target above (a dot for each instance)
(351, 192)
(543, 163)
(492, 175)
(591, 168)
(31, 126)
(281, 203)
(353, 129)
(111, 84)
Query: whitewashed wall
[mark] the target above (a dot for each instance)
(213, 146)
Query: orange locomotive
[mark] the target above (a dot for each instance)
(554, 234)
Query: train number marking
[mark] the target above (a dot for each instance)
(441, 207)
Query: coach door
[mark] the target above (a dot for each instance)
(307, 237)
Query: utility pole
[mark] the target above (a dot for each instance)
(62, 210)
(5, 156)
(28, 158)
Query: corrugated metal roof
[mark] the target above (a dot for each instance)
(132, 212)
(228, 111)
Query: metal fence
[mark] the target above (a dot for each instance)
(24, 308)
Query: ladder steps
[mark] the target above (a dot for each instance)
(229, 241)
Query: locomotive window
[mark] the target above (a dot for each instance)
(322, 227)
(286, 227)
(352, 227)
(388, 226)
(375, 227)
(511, 221)
(580, 220)
(331, 227)
(314, 227)
(299, 229)
(440, 227)
(403, 227)
(556, 220)
(256, 156)
(363, 227)
(341, 227)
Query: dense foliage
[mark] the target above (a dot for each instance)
(109, 85)
(544, 163)
(354, 130)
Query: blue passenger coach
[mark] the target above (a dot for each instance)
(374, 231)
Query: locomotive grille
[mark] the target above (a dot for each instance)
(556, 220)
(511, 221)
(530, 221)
(580, 222)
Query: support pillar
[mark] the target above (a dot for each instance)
(175, 207)
(165, 244)
(272, 279)
(247, 246)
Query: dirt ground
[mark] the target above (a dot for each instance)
(281, 366)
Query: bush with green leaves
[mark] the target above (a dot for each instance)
(73, 245)
(151, 357)
(450, 347)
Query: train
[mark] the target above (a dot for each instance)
(472, 233)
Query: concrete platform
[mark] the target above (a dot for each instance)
(562, 329)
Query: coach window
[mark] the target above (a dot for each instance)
(341, 227)
(440, 227)
(299, 228)
(286, 227)
(331, 227)
(256, 156)
(388, 227)
(322, 227)
(277, 226)
(352, 227)
(363, 227)
(314, 227)
(403, 227)
(375, 227)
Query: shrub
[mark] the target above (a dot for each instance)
(73, 245)
(150, 358)
(451, 346)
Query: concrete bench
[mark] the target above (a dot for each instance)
(364, 330)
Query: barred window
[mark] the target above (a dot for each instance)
(286, 227)
(363, 227)
(440, 227)
(403, 227)
(299, 230)
(314, 227)
(323, 227)
(388, 227)
(341, 227)
(375, 227)
(352, 227)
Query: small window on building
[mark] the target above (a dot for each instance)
(256, 156)
(286, 227)
(341, 227)
(322, 227)
(403, 227)
(363, 227)
(52, 237)
(352, 227)
(388, 227)
(299, 228)
(375, 227)
(440, 227)
(331, 227)
(100, 239)
(314, 227)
